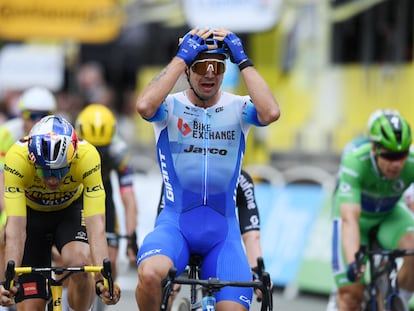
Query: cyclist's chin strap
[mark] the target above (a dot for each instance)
(191, 87)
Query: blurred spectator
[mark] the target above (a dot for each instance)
(9, 107)
(92, 85)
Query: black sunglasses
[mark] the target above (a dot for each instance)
(393, 156)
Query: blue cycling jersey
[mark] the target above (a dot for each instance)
(200, 152)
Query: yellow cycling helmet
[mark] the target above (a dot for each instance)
(96, 124)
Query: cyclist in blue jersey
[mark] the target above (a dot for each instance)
(201, 135)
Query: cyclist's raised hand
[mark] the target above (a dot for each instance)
(192, 44)
(234, 44)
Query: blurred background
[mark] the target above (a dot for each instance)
(330, 64)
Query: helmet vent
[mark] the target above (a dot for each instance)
(45, 151)
(56, 150)
(93, 130)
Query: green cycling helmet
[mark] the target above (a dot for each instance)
(390, 130)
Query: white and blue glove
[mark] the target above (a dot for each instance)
(234, 44)
(190, 47)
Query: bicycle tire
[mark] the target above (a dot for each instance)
(183, 304)
(398, 304)
(367, 307)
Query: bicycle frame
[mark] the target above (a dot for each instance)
(213, 285)
(384, 269)
(55, 285)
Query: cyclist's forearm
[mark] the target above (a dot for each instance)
(15, 239)
(261, 95)
(251, 240)
(158, 89)
(131, 211)
(95, 226)
(350, 230)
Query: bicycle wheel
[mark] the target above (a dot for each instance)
(183, 304)
(398, 304)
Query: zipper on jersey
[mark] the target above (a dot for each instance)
(206, 145)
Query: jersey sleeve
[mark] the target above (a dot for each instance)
(250, 113)
(16, 169)
(94, 192)
(349, 186)
(160, 114)
(246, 204)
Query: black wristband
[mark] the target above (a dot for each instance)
(245, 64)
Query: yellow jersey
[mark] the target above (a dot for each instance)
(23, 187)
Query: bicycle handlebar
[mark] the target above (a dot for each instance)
(105, 270)
(391, 253)
(214, 285)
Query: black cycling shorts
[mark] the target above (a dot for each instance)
(43, 230)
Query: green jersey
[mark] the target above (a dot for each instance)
(361, 182)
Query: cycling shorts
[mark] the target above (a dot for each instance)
(176, 236)
(43, 230)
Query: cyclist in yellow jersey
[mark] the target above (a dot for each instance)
(35, 103)
(54, 196)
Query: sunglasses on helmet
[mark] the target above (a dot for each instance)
(202, 66)
(34, 115)
(393, 156)
(47, 173)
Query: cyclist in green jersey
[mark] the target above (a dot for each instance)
(372, 180)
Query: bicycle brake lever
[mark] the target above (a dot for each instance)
(9, 274)
(108, 279)
(260, 266)
(167, 284)
(268, 296)
(359, 257)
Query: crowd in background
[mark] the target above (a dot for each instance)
(90, 87)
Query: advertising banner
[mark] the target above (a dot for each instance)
(287, 215)
(89, 21)
(25, 65)
(236, 15)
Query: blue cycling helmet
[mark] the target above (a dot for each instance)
(221, 47)
(53, 143)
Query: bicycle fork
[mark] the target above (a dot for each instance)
(56, 291)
